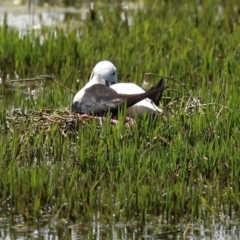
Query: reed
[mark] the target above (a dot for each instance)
(185, 165)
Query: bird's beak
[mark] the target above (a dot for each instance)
(107, 83)
(76, 107)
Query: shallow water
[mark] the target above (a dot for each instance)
(96, 230)
(23, 17)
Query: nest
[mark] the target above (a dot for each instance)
(44, 119)
(66, 120)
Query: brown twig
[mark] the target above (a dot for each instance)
(42, 77)
(172, 78)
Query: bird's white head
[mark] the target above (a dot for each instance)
(104, 72)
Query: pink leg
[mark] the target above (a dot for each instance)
(130, 121)
(114, 121)
(86, 116)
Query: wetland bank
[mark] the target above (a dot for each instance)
(85, 181)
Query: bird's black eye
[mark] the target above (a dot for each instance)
(114, 73)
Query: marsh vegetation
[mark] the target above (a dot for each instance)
(180, 170)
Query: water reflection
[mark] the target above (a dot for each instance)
(51, 13)
(23, 20)
(51, 229)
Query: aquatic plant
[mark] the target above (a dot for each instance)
(185, 164)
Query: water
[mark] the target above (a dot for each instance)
(62, 229)
(23, 17)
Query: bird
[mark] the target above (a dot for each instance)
(105, 73)
(99, 99)
(102, 73)
(146, 106)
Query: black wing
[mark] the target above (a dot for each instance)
(100, 99)
(156, 98)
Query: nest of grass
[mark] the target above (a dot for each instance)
(66, 120)
(44, 119)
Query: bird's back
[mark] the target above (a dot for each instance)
(140, 108)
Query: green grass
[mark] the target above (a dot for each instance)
(186, 165)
